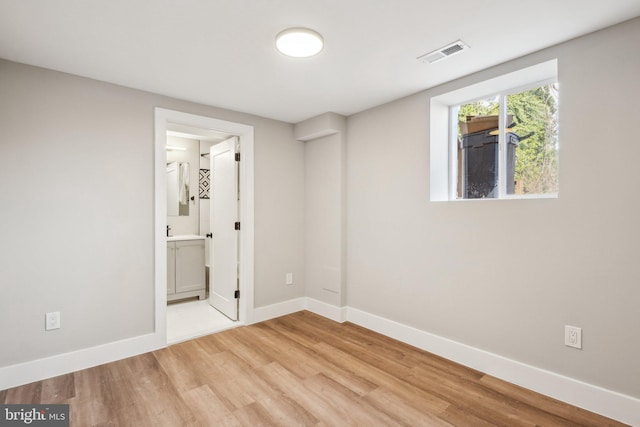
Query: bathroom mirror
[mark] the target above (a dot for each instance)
(178, 189)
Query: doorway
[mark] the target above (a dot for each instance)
(212, 131)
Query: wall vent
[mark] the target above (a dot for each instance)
(443, 52)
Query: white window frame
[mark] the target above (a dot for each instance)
(443, 171)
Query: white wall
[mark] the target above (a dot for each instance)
(325, 207)
(78, 210)
(506, 276)
(279, 217)
(323, 220)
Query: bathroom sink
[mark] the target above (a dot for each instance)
(184, 237)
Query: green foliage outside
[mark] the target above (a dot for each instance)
(534, 111)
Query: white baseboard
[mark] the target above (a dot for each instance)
(272, 311)
(48, 367)
(587, 396)
(593, 398)
(338, 314)
(36, 370)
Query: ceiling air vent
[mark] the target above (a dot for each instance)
(443, 52)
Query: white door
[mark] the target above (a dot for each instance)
(223, 253)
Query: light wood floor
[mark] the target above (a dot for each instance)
(297, 370)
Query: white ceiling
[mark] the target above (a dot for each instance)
(221, 52)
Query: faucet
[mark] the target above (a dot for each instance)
(168, 230)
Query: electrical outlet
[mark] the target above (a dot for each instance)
(289, 279)
(52, 321)
(573, 336)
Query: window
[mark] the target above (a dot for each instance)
(518, 158)
(503, 143)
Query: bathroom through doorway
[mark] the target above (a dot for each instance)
(205, 151)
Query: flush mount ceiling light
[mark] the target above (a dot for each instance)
(299, 42)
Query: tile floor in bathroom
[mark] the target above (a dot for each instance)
(194, 318)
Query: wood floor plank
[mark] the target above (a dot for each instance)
(293, 387)
(296, 370)
(285, 411)
(289, 329)
(375, 355)
(352, 338)
(211, 343)
(343, 376)
(253, 357)
(352, 408)
(239, 386)
(413, 395)
(58, 389)
(90, 413)
(29, 393)
(399, 409)
(254, 415)
(183, 373)
(100, 396)
(243, 391)
(207, 407)
(155, 397)
(458, 416)
(481, 401)
(288, 353)
(570, 415)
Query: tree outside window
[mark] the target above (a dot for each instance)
(530, 139)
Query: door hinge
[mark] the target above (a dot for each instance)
(237, 226)
(210, 235)
(236, 294)
(237, 157)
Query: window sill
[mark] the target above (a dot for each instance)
(512, 197)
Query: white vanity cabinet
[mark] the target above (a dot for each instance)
(185, 267)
